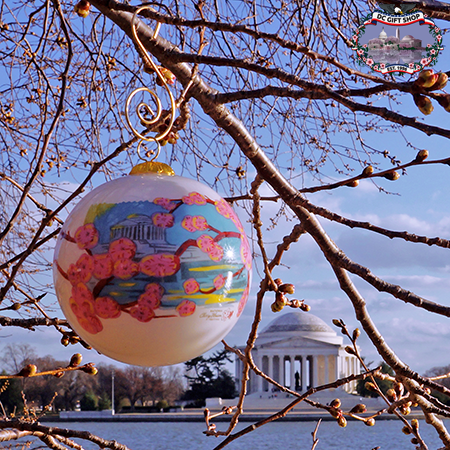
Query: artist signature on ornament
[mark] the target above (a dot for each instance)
(217, 314)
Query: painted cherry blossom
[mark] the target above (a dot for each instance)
(107, 308)
(194, 198)
(188, 224)
(122, 248)
(85, 314)
(246, 254)
(223, 208)
(160, 265)
(142, 313)
(125, 269)
(81, 293)
(219, 281)
(165, 203)
(156, 289)
(81, 271)
(186, 308)
(91, 324)
(205, 243)
(216, 253)
(81, 308)
(103, 266)
(191, 286)
(234, 217)
(149, 299)
(200, 223)
(86, 236)
(163, 220)
(74, 275)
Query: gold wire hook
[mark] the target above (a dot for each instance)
(143, 109)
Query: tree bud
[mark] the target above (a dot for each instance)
(444, 101)
(440, 83)
(276, 306)
(281, 298)
(415, 424)
(358, 409)
(370, 422)
(350, 350)
(305, 307)
(356, 333)
(287, 288)
(295, 303)
(414, 441)
(74, 339)
(406, 430)
(337, 323)
(392, 175)
(353, 183)
(391, 395)
(278, 281)
(421, 156)
(65, 341)
(28, 371)
(423, 103)
(16, 306)
(336, 413)
(75, 360)
(82, 8)
(427, 78)
(370, 386)
(335, 403)
(89, 369)
(342, 422)
(367, 171)
(59, 374)
(405, 410)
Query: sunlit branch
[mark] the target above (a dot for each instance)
(64, 432)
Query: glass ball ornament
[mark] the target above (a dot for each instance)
(152, 269)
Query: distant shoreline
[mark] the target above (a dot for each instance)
(197, 416)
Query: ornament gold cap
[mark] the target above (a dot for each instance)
(152, 167)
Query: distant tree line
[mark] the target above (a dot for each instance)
(132, 385)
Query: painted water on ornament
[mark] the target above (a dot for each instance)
(386, 434)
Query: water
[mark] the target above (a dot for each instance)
(386, 434)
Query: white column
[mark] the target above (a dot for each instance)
(281, 369)
(304, 374)
(292, 379)
(315, 371)
(270, 368)
(325, 367)
(259, 380)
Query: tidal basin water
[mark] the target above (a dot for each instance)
(386, 434)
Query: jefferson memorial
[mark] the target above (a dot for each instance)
(299, 351)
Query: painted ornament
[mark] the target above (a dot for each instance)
(152, 269)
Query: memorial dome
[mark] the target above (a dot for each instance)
(298, 322)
